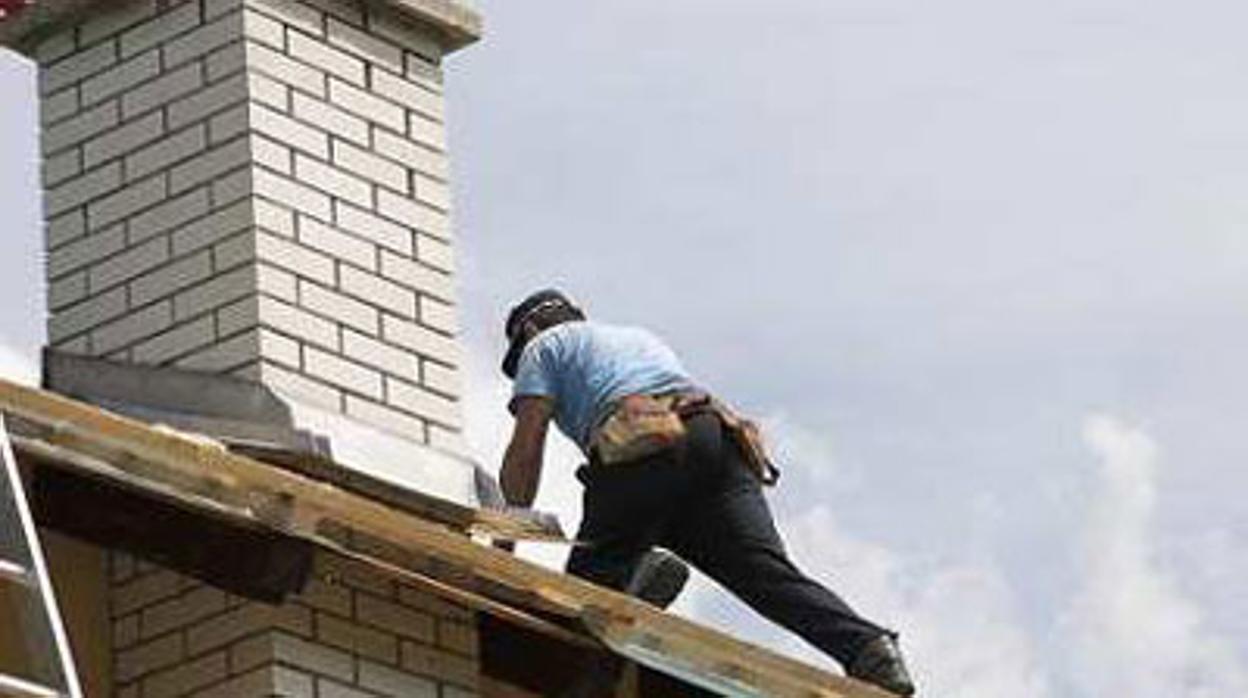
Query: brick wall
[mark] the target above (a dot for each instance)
(351, 634)
(257, 187)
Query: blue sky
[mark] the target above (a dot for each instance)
(982, 267)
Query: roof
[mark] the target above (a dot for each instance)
(23, 23)
(202, 477)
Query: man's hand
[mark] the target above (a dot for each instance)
(507, 546)
(522, 465)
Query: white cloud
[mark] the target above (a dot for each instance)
(1135, 632)
(16, 366)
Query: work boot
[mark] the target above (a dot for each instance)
(879, 663)
(658, 578)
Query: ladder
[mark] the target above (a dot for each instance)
(25, 576)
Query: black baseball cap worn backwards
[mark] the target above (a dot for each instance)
(539, 301)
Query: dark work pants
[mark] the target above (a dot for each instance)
(700, 501)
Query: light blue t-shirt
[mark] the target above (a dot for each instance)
(586, 366)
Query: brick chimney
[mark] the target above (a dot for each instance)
(260, 188)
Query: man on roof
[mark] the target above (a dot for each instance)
(669, 466)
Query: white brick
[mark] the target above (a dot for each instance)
(133, 72)
(271, 154)
(333, 181)
(114, 18)
(289, 131)
(204, 103)
(64, 73)
(303, 261)
(84, 251)
(365, 45)
(401, 31)
(181, 340)
(388, 295)
(275, 347)
(226, 61)
(326, 58)
(171, 278)
(87, 314)
(292, 321)
(283, 69)
(400, 423)
(300, 387)
(340, 308)
(394, 683)
(159, 30)
(449, 440)
(440, 378)
(409, 94)
(202, 41)
(329, 118)
(293, 13)
(366, 225)
(168, 216)
(132, 199)
(426, 132)
(385, 357)
(421, 340)
(277, 282)
(134, 326)
(371, 167)
(290, 193)
(67, 290)
(62, 229)
(409, 154)
(56, 107)
(210, 165)
(415, 275)
(336, 244)
(265, 30)
(432, 192)
(124, 139)
(336, 371)
(158, 156)
(417, 400)
(269, 92)
(413, 214)
(129, 264)
(59, 168)
(212, 229)
(438, 315)
(78, 191)
(80, 128)
(215, 293)
(436, 253)
(274, 218)
(365, 105)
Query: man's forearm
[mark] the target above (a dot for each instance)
(519, 480)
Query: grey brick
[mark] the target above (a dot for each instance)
(415, 275)
(215, 293)
(204, 103)
(329, 119)
(357, 639)
(227, 354)
(388, 295)
(226, 61)
(392, 682)
(333, 181)
(66, 72)
(173, 149)
(79, 128)
(336, 371)
(400, 423)
(409, 94)
(392, 617)
(438, 315)
(159, 30)
(181, 679)
(114, 18)
(340, 308)
(385, 357)
(290, 320)
(137, 70)
(289, 131)
(418, 401)
(336, 244)
(148, 657)
(169, 279)
(84, 251)
(292, 651)
(271, 154)
(228, 124)
(85, 315)
(366, 225)
(129, 264)
(366, 105)
(421, 340)
(56, 46)
(413, 214)
(328, 689)
(283, 69)
(63, 229)
(58, 168)
(133, 198)
(216, 8)
(234, 251)
(56, 107)
(245, 620)
(428, 133)
(410, 154)
(168, 216)
(365, 45)
(202, 41)
(134, 326)
(163, 90)
(347, 10)
(212, 229)
(293, 194)
(123, 140)
(166, 346)
(404, 33)
(67, 290)
(232, 187)
(436, 253)
(326, 58)
(371, 167)
(210, 165)
(303, 261)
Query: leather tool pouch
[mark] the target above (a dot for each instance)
(639, 426)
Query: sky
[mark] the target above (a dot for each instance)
(980, 267)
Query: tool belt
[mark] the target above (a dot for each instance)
(642, 425)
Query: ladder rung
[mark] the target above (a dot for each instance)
(13, 572)
(21, 688)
